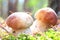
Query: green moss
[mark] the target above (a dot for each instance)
(50, 35)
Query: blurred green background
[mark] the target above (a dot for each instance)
(8, 6)
(21, 6)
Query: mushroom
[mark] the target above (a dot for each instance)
(45, 19)
(19, 21)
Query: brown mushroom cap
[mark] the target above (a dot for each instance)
(46, 15)
(19, 20)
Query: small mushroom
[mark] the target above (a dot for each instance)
(19, 21)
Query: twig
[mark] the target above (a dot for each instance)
(11, 12)
(1, 26)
